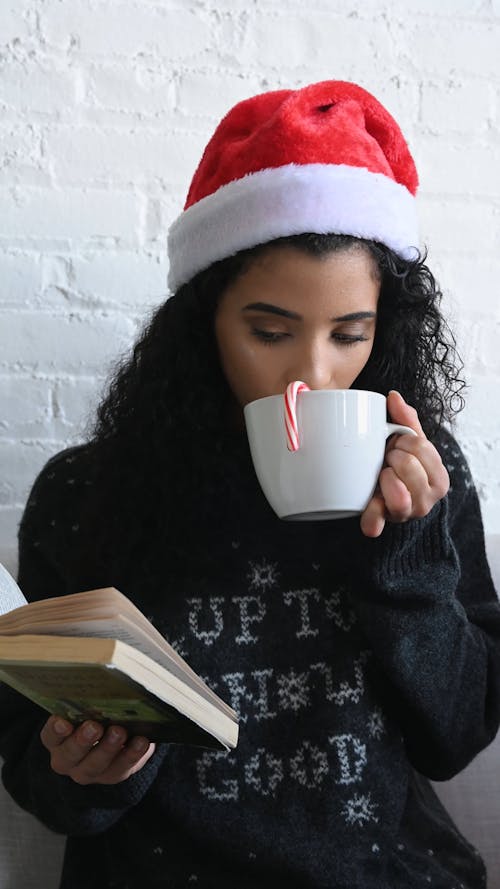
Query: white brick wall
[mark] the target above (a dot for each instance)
(105, 107)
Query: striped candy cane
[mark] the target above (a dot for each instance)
(292, 431)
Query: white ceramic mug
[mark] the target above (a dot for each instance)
(334, 472)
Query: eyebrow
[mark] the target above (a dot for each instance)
(285, 313)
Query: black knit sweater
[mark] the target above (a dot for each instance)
(359, 669)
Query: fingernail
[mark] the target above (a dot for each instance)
(140, 745)
(115, 736)
(90, 732)
(61, 727)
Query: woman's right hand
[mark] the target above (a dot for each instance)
(90, 754)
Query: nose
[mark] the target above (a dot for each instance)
(314, 367)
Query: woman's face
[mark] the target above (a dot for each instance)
(293, 316)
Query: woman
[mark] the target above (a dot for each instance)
(361, 655)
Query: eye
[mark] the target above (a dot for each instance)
(346, 339)
(268, 336)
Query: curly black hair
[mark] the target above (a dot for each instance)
(164, 442)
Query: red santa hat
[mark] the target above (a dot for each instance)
(327, 158)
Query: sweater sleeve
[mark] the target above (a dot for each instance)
(429, 609)
(56, 800)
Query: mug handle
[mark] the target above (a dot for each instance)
(392, 428)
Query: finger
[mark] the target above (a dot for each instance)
(410, 471)
(427, 455)
(402, 412)
(373, 518)
(397, 497)
(111, 761)
(75, 747)
(55, 731)
(100, 756)
(130, 760)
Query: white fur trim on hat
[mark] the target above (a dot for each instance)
(289, 200)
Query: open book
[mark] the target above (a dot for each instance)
(94, 655)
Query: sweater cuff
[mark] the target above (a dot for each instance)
(405, 550)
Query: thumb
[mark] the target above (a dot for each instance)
(401, 412)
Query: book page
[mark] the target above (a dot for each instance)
(10, 594)
(106, 613)
(122, 629)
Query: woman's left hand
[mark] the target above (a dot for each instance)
(413, 478)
